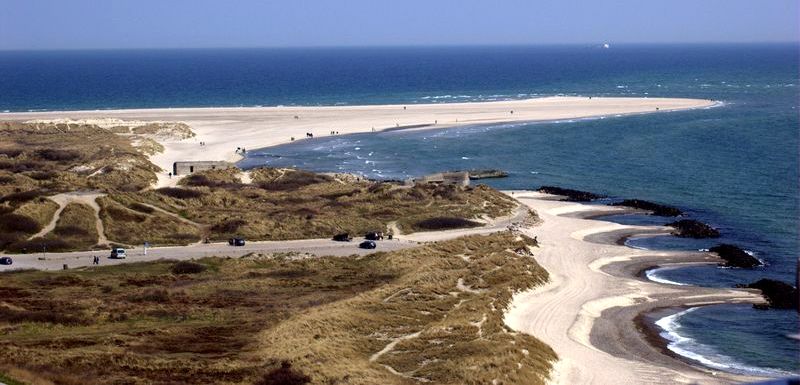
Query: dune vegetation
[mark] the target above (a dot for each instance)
(432, 313)
(39, 160)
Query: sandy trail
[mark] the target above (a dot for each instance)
(587, 311)
(86, 198)
(225, 129)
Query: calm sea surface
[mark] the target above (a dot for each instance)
(734, 166)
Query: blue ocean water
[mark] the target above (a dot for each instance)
(734, 166)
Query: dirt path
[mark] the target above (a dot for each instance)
(62, 200)
(176, 216)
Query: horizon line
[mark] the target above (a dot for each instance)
(443, 45)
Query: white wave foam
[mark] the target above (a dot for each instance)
(704, 354)
(652, 275)
(627, 243)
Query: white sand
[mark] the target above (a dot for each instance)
(225, 129)
(563, 312)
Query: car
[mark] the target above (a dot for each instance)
(6, 261)
(367, 245)
(236, 241)
(117, 253)
(373, 236)
(343, 237)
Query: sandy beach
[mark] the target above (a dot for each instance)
(591, 309)
(224, 129)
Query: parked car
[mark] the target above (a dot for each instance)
(343, 237)
(236, 241)
(367, 245)
(117, 253)
(6, 261)
(374, 236)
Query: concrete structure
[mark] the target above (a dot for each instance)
(459, 178)
(186, 168)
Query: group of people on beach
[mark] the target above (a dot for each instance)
(241, 150)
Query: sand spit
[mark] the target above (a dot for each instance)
(223, 130)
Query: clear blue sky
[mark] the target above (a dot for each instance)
(75, 24)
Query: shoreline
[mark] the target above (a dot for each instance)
(592, 310)
(223, 130)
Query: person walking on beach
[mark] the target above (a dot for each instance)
(96, 260)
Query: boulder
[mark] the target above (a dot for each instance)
(690, 228)
(657, 209)
(735, 257)
(571, 195)
(779, 295)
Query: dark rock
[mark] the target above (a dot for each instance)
(486, 174)
(690, 228)
(572, 195)
(657, 209)
(735, 257)
(779, 295)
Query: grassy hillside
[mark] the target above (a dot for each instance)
(432, 313)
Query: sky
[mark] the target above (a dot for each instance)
(104, 24)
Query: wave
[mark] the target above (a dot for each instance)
(652, 274)
(692, 349)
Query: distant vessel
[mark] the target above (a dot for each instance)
(605, 45)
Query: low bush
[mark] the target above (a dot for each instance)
(445, 223)
(294, 180)
(57, 155)
(229, 226)
(38, 245)
(120, 214)
(22, 196)
(150, 295)
(284, 375)
(180, 193)
(142, 208)
(70, 231)
(18, 223)
(11, 152)
(43, 175)
(39, 316)
(188, 267)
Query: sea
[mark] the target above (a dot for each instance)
(734, 166)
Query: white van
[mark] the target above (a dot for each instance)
(117, 253)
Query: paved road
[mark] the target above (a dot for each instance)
(319, 247)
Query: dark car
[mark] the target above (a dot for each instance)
(367, 245)
(6, 261)
(236, 241)
(343, 237)
(374, 236)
